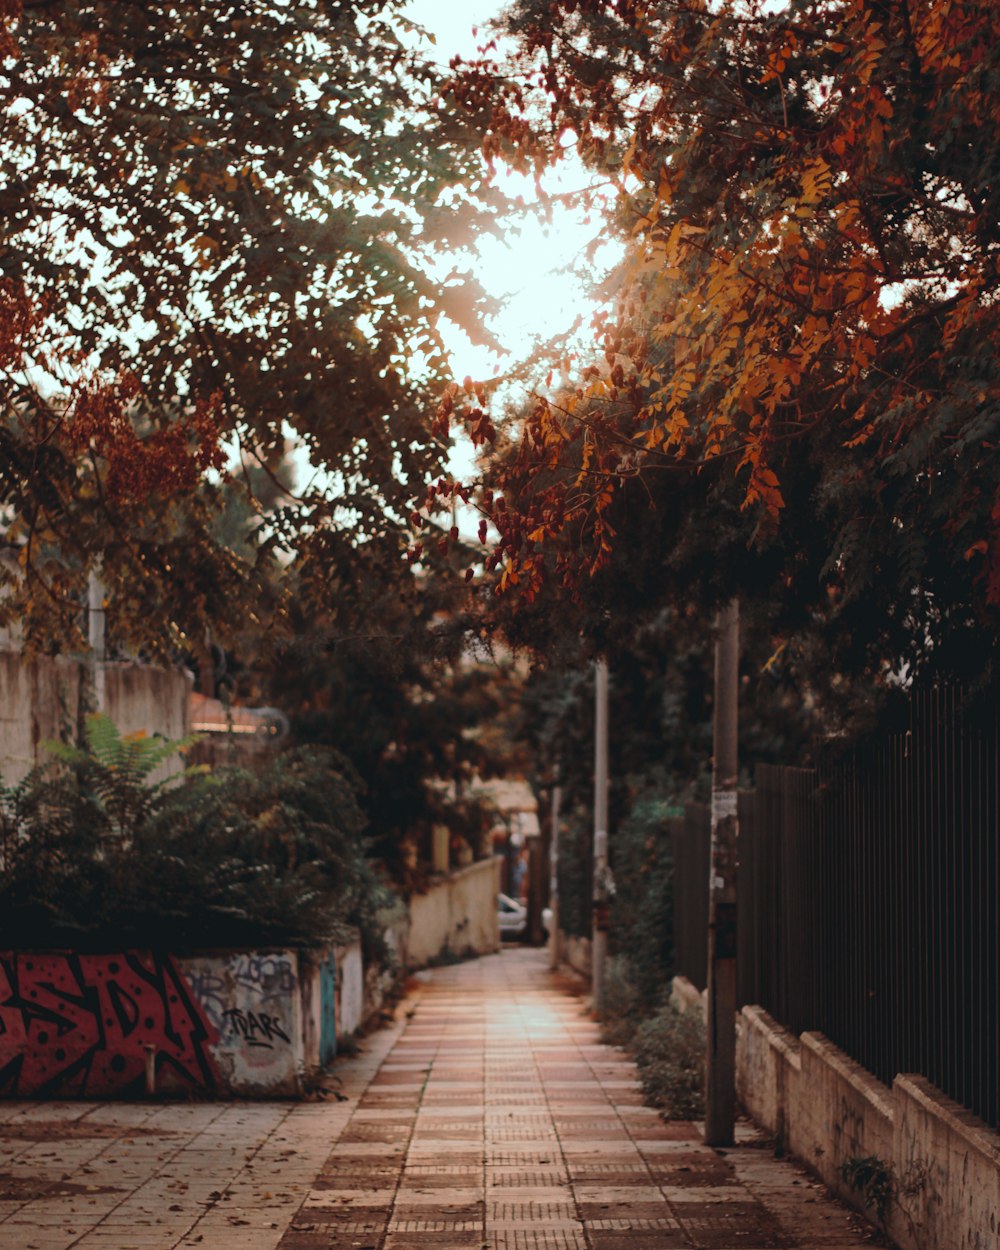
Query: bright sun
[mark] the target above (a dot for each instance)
(535, 271)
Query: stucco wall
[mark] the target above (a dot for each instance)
(85, 1026)
(458, 915)
(350, 990)
(36, 697)
(39, 696)
(942, 1162)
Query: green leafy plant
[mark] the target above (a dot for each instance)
(621, 1009)
(669, 1052)
(118, 769)
(94, 854)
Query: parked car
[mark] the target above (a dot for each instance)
(512, 916)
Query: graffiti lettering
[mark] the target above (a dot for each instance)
(267, 976)
(206, 988)
(255, 1029)
(79, 1026)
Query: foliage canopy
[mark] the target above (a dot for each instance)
(220, 223)
(800, 376)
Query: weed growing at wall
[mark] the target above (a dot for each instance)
(872, 1178)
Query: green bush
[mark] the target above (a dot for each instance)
(642, 910)
(94, 856)
(576, 873)
(669, 1051)
(621, 1012)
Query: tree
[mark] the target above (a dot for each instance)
(803, 353)
(219, 228)
(384, 674)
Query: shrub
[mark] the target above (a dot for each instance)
(576, 872)
(93, 855)
(642, 910)
(621, 1011)
(669, 1052)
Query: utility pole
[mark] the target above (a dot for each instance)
(554, 951)
(599, 932)
(720, 1086)
(96, 636)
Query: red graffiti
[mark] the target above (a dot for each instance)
(81, 1026)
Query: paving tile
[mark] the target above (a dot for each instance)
(491, 1116)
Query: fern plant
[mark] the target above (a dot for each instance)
(96, 855)
(117, 768)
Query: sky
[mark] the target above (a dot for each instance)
(527, 268)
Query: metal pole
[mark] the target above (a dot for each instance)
(96, 636)
(554, 951)
(599, 932)
(720, 1085)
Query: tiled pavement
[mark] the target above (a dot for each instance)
(488, 1116)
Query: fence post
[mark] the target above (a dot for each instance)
(720, 1084)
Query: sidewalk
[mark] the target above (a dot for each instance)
(489, 1116)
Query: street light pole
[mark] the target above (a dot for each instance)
(599, 932)
(720, 1085)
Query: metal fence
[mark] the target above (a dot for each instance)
(868, 894)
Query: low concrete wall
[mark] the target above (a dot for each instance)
(943, 1163)
(947, 1167)
(219, 1024)
(457, 915)
(350, 989)
(252, 1013)
(575, 951)
(39, 696)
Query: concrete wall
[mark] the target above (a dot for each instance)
(575, 951)
(39, 696)
(943, 1163)
(140, 697)
(251, 1007)
(85, 1026)
(350, 990)
(457, 915)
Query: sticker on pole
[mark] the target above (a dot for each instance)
(723, 805)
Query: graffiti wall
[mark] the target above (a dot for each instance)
(251, 1003)
(86, 1026)
(79, 1025)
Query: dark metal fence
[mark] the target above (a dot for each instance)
(869, 897)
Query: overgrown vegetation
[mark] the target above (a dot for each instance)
(93, 854)
(668, 1045)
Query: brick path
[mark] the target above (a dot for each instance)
(489, 1116)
